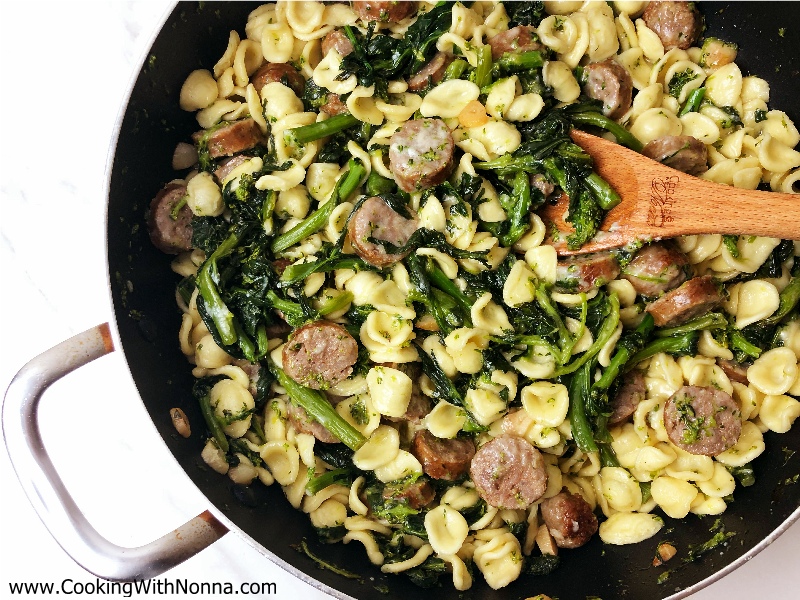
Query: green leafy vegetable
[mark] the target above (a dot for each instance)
(679, 81)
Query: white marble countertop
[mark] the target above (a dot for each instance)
(66, 67)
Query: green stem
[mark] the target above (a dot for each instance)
(317, 406)
(605, 333)
(519, 61)
(206, 283)
(623, 354)
(605, 195)
(520, 208)
(739, 342)
(566, 339)
(483, 72)
(213, 425)
(579, 421)
(178, 206)
(294, 273)
(455, 69)
(595, 119)
(287, 307)
(693, 101)
(445, 388)
(316, 131)
(345, 186)
(710, 321)
(327, 479)
(444, 283)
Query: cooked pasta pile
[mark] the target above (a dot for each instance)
(481, 377)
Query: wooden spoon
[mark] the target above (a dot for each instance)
(660, 202)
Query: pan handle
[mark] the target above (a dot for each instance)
(50, 498)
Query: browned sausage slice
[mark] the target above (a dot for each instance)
(333, 105)
(735, 371)
(509, 472)
(433, 72)
(682, 152)
(628, 396)
(375, 219)
(336, 38)
(320, 354)
(385, 11)
(281, 73)
(226, 166)
(702, 420)
(693, 298)
(570, 519)
(303, 423)
(610, 83)
(232, 138)
(415, 495)
(677, 24)
(167, 234)
(521, 38)
(421, 154)
(440, 458)
(656, 269)
(583, 273)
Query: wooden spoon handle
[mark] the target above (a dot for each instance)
(679, 204)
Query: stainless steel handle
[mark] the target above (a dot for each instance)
(47, 493)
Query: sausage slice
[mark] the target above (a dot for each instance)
(656, 269)
(303, 423)
(375, 219)
(585, 272)
(320, 354)
(735, 371)
(702, 420)
(509, 472)
(169, 235)
(693, 298)
(610, 83)
(433, 72)
(677, 24)
(232, 138)
(385, 11)
(228, 165)
(421, 154)
(682, 152)
(336, 38)
(521, 38)
(570, 519)
(628, 396)
(281, 73)
(440, 458)
(333, 105)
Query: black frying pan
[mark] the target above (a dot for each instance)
(195, 36)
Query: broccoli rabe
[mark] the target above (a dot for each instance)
(680, 80)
